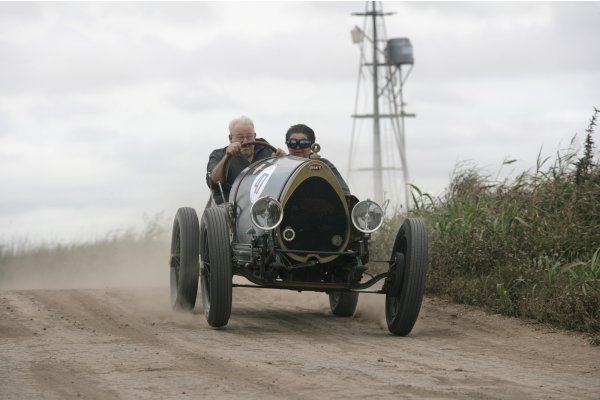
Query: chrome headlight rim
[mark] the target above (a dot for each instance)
(260, 203)
(369, 205)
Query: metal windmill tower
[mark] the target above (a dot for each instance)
(381, 62)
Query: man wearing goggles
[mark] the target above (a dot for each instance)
(225, 164)
(299, 138)
(299, 147)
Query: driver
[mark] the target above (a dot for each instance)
(299, 139)
(225, 164)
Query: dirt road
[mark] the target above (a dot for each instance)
(128, 344)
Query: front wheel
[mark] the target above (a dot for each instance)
(343, 304)
(216, 270)
(408, 269)
(185, 244)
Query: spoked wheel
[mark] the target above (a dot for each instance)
(343, 304)
(185, 243)
(216, 271)
(408, 267)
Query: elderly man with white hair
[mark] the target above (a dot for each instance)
(225, 164)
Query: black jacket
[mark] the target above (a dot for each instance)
(235, 166)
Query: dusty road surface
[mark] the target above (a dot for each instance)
(127, 344)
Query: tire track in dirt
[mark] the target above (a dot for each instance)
(128, 343)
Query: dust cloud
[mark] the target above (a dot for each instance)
(95, 265)
(371, 307)
(145, 265)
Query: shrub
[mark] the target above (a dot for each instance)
(528, 246)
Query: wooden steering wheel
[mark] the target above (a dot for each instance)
(268, 145)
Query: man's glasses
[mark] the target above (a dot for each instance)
(247, 138)
(299, 143)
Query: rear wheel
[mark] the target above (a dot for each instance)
(185, 244)
(343, 304)
(216, 270)
(409, 268)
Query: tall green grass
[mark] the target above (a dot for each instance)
(527, 246)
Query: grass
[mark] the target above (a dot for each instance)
(526, 247)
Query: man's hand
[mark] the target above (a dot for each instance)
(234, 149)
(279, 152)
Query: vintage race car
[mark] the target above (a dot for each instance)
(288, 225)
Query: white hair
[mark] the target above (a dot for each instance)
(240, 120)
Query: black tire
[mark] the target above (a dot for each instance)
(216, 271)
(343, 304)
(185, 267)
(401, 311)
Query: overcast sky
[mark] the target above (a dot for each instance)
(108, 111)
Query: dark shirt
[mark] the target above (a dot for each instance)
(235, 166)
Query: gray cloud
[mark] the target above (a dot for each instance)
(77, 64)
(558, 42)
(195, 97)
(64, 58)
(68, 58)
(19, 10)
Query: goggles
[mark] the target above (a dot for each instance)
(299, 143)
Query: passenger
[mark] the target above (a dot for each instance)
(299, 138)
(225, 164)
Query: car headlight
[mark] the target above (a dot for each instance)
(266, 213)
(367, 216)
